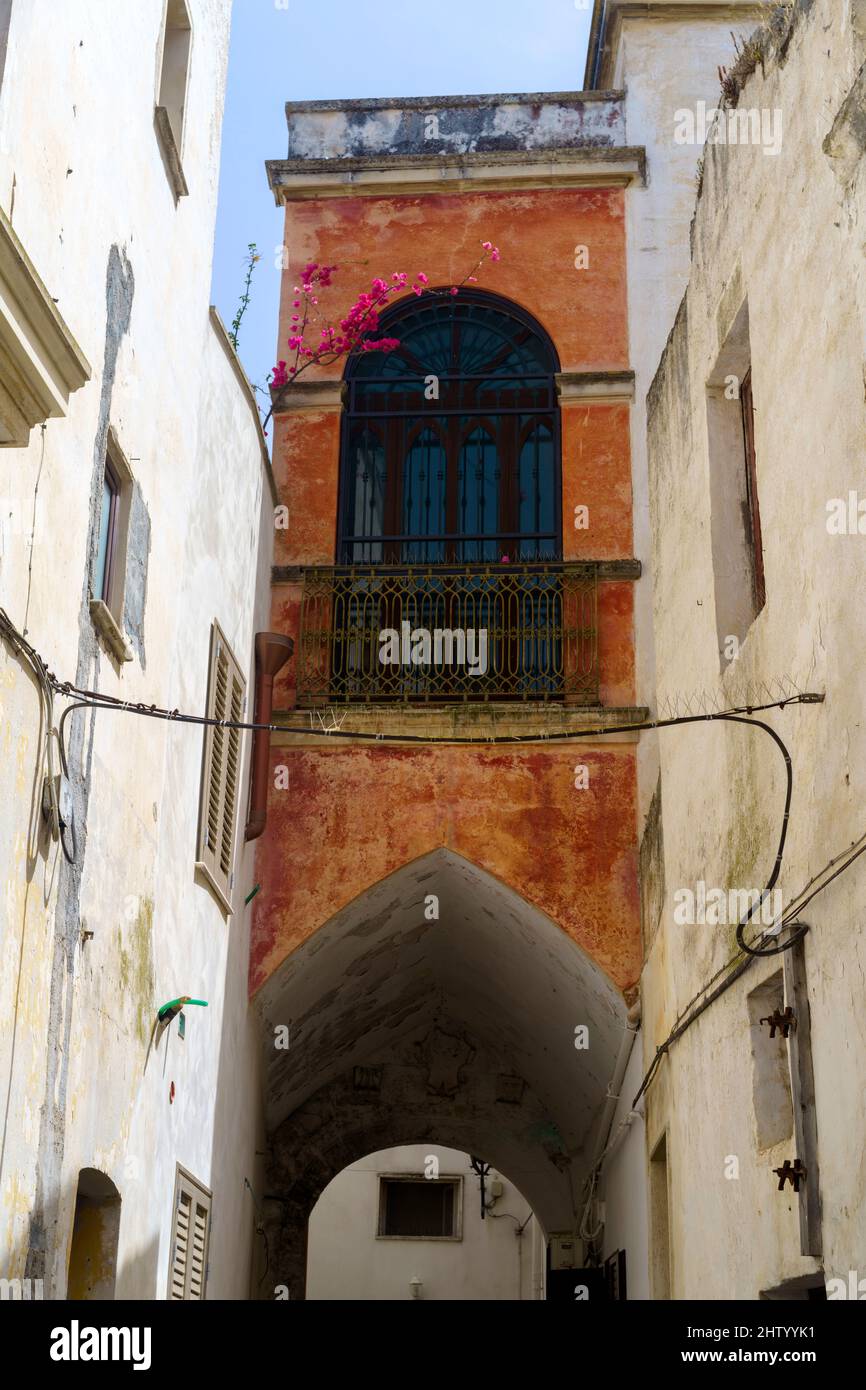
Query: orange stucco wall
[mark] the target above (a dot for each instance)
(352, 815)
(584, 311)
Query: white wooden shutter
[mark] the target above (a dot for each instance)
(190, 1232)
(180, 1247)
(222, 768)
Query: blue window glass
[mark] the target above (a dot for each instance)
(107, 535)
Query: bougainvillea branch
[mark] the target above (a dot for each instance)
(350, 336)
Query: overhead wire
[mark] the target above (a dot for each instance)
(742, 714)
(45, 686)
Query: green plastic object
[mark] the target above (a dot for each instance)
(175, 1005)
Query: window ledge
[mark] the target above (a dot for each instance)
(170, 153)
(105, 622)
(204, 873)
(437, 1239)
(41, 364)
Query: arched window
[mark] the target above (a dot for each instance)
(450, 449)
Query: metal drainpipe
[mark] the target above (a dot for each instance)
(633, 1022)
(272, 652)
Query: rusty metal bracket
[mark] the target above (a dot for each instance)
(791, 1172)
(783, 1019)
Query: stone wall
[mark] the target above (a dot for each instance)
(783, 234)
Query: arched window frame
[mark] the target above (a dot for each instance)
(456, 418)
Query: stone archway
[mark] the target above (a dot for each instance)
(438, 1002)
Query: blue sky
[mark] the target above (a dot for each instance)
(297, 50)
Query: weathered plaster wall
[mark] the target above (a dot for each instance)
(782, 231)
(353, 815)
(363, 815)
(536, 230)
(438, 1001)
(131, 273)
(452, 125)
(666, 63)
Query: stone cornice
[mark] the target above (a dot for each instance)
(605, 570)
(454, 102)
(295, 180)
(479, 721)
(579, 387)
(325, 396)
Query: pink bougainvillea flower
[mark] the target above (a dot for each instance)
(354, 333)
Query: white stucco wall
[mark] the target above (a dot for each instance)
(623, 1184)
(787, 232)
(80, 174)
(347, 1261)
(665, 62)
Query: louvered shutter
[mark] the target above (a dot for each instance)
(198, 1251)
(190, 1234)
(222, 768)
(180, 1249)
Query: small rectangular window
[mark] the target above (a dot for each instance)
(419, 1208)
(108, 575)
(107, 533)
(735, 521)
(189, 1242)
(614, 1274)
(175, 66)
(221, 769)
(172, 90)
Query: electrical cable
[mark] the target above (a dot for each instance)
(789, 918)
(777, 867)
(738, 714)
(43, 427)
(590, 1236)
(45, 685)
(848, 862)
(97, 700)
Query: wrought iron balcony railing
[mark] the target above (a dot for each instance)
(440, 633)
